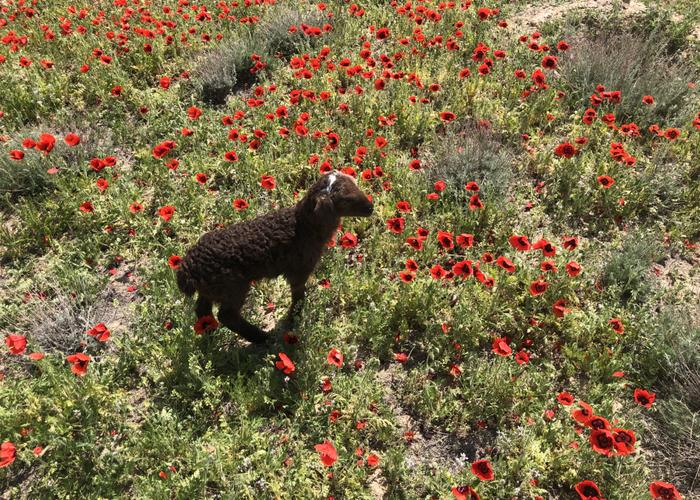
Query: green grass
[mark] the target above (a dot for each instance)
(161, 412)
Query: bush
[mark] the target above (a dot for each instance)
(635, 64)
(279, 41)
(471, 152)
(626, 271)
(675, 424)
(224, 69)
(26, 177)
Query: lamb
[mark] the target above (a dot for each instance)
(288, 242)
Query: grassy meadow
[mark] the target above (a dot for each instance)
(518, 319)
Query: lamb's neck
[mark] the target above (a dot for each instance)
(319, 228)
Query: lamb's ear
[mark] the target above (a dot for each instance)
(324, 206)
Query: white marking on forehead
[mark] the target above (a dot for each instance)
(331, 180)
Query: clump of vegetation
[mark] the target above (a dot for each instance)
(626, 271)
(637, 65)
(471, 152)
(674, 427)
(224, 69)
(285, 29)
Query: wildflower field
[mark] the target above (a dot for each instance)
(518, 319)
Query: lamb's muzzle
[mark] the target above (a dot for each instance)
(286, 242)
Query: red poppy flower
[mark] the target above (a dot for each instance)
(162, 149)
(166, 212)
(672, 134)
(522, 357)
(326, 385)
(16, 343)
(327, 452)
(447, 116)
(86, 207)
(411, 265)
(174, 261)
(549, 62)
(406, 277)
(606, 181)
(16, 154)
(205, 324)
(267, 182)
(500, 346)
(79, 363)
(559, 308)
(616, 325)
(135, 207)
(71, 139)
(583, 413)
(538, 287)
(415, 243)
(471, 186)
(335, 357)
(573, 268)
(348, 240)
(644, 398)
(588, 490)
(465, 240)
(102, 184)
(565, 149)
(482, 469)
(240, 204)
(396, 225)
(401, 357)
(475, 202)
(285, 364)
(445, 240)
(602, 441)
(596, 422)
(8, 452)
(372, 460)
(547, 266)
(463, 268)
(664, 491)
(565, 398)
(194, 112)
(100, 332)
(548, 250)
(36, 356)
(465, 493)
(403, 206)
(414, 165)
(538, 78)
(437, 272)
(505, 263)
(624, 441)
(570, 243)
(519, 242)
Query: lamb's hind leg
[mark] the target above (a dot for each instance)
(202, 307)
(230, 316)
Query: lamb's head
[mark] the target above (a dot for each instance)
(337, 194)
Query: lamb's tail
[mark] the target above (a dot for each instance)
(184, 280)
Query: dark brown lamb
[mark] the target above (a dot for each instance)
(288, 242)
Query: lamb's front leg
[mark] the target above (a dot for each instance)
(298, 288)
